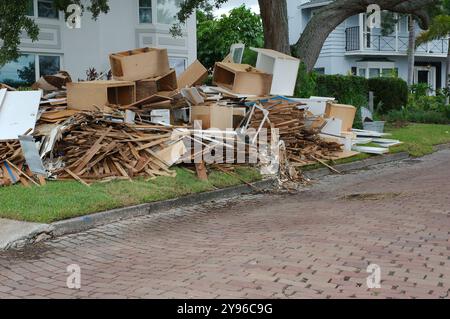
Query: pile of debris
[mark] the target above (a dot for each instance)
(145, 119)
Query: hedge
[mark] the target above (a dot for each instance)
(389, 93)
(347, 89)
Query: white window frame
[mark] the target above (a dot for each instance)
(36, 14)
(154, 16)
(380, 65)
(185, 58)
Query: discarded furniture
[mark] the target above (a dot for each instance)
(242, 78)
(213, 116)
(139, 64)
(151, 86)
(96, 95)
(194, 75)
(342, 111)
(283, 67)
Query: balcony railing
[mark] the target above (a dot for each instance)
(390, 43)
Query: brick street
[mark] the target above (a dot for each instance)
(313, 244)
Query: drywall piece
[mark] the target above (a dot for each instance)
(139, 64)
(385, 142)
(316, 105)
(193, 96)
(164, 83)
(31, 154)
(160, 116)
(18, 113)
(332, 127)
(370, 149)
(364, 133)
(171, 154)
(283, 67)
(341, 111)
(362, 140)
(95, 95)
(194, 75)
(213, 116)
(242, 79)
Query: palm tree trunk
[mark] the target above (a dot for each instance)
(411, 49)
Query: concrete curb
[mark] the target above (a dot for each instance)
(347, 167)
(83, 223)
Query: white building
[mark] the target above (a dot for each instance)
(354, 48)
(129, 24)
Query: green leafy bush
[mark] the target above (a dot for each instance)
(390, 93)
(347, 89)
(306, 83)
(417, 116)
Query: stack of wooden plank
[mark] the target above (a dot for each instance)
(303, 145)
(94, 149)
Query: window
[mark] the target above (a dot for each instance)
(374, 73)
(167, 11)
(49, 64)
(45, 9)
(319, 70)
(362, 72)
(179, 64)
(28, 68)
(145, 11)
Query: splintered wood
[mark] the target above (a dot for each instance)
(94, 149)
(303, 145)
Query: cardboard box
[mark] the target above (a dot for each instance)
(213, 116)
(346, 113)
(194, 75)
(242, 78)
(151, 86)
(84, 95)
(139, 64)
(283, 67)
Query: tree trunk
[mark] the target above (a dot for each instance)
(411, 49)
(325, 20)
(275, 24)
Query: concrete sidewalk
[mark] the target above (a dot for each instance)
(14, 233)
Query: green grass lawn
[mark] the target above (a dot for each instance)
(61, 200)
(418, 140)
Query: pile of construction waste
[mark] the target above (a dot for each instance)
(148, 118)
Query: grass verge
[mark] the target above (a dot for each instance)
(418, 140)
(61, 200)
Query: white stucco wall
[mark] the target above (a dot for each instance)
(119, 30)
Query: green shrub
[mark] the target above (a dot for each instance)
(390, 93)
(306, 83)
(417, 116)
(347, 89)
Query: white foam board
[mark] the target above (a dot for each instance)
(18, 113)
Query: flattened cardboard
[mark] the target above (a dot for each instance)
(194, 75)
(18, 113)
(213, 116)
(344, 112)
(139, 64)
(242, 79)
(85, 96)
(149, 87)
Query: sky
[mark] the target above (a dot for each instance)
(253, 4)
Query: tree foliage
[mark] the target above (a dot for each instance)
(216, 35)
(14, 21)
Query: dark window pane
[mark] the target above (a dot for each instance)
(145, 15)
(145, 3)
(30, 8)
(19, 73)
(46, 10)
(49, 65)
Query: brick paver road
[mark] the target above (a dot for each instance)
(317, 243)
